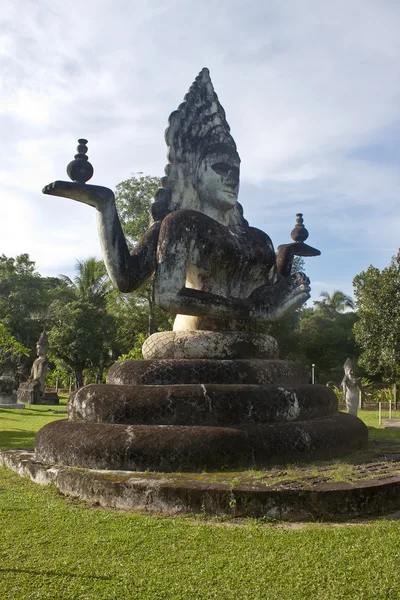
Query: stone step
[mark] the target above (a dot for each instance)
(203, 371)
(210, 344)
(206, 404)
(176, 448)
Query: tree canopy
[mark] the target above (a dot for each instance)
(133, 197)
(378, 328)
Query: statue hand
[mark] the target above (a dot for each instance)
(94, 195)
(274, 301)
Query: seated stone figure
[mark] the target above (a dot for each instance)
(213, 392)
(32, 391)
(212, 270)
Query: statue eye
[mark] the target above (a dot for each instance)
(222, 168)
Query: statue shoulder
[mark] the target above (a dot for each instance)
(260, 235)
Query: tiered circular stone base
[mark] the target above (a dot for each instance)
(194, 414)
(170, 448)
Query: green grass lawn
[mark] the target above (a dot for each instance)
(19, 427)
(52, 547)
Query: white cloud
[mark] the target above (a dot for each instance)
(305, 86)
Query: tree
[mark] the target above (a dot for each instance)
(9, 347)
(326, 340)
(82, 333)
(335, 302)
(24, 296)
(378, 328)
(90, 283)
(133, 197)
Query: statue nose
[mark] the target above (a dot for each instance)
(232, 177)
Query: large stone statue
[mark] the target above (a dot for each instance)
(33, 390)
(212, 392)
(212, 270)
(351, 386)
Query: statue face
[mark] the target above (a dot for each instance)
(218, 180)
(41, 350)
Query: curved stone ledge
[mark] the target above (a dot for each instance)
(210, 344)
(206, 404)
(184, 448)
(157, 493)
(201, 371)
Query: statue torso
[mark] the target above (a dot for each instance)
(232, 261)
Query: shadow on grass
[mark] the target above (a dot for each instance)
(56, 574)
(31, 412)
(382, 445)
(21, 440)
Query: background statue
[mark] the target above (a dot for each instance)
(40, 365)
(33, 390)
(212, 270)
(351, 385)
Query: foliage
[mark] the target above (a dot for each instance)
(298, 265)
(327, 340)
(9, 346)
(376, 392)
(81, 334)
(335, 302)
(338, 391)
(378, 328)
(24, 298)
(90, 283)
(136, 352)
(286, 332)
(133, 197)
(132, 315)
(59, 373)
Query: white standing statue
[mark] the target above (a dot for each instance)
(351, 386)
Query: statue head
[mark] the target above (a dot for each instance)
(43, 344)
(203, 168)
(349, 367)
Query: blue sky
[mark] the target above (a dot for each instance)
(311, 91)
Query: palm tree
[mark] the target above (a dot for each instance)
(90, 285)
(91, 281)
(338, 302)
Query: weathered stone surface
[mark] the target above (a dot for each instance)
(8, 395)
(190, 371)
(209, 344)
(205, 404)
(168, 494)
(24, 395)
(183, 448)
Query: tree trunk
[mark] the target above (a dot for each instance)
(100, 369)
(78, 378)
